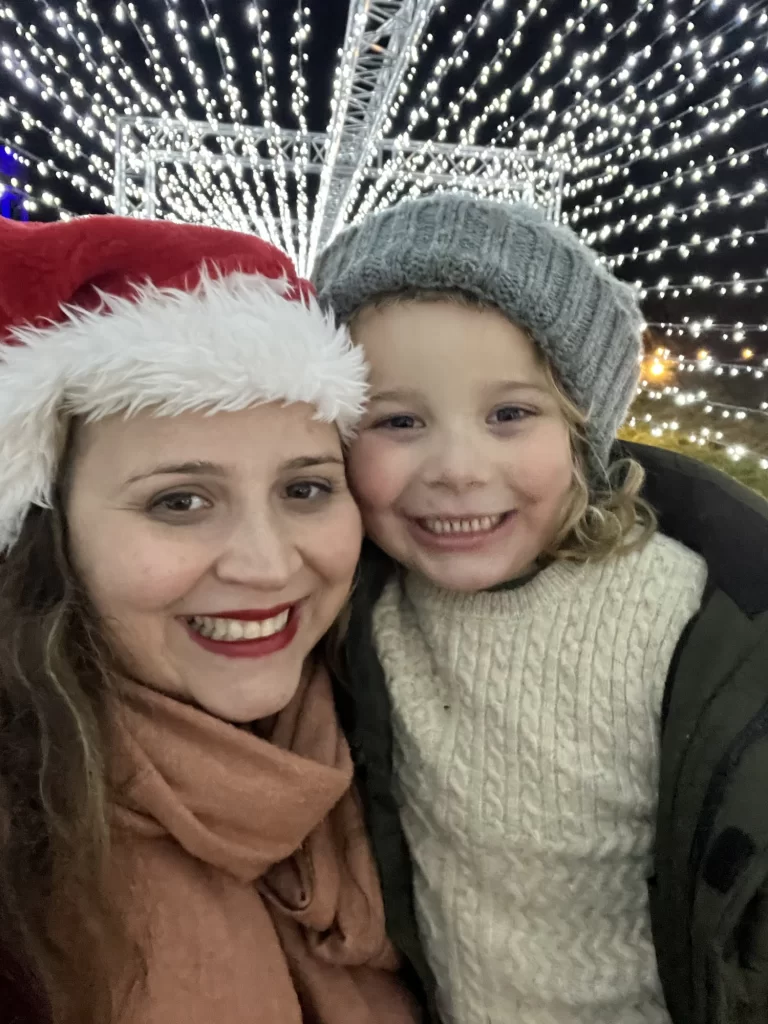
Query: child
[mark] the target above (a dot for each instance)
(566, 697)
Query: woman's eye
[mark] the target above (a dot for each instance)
(308, 490)
(401, 421)
(509, 414)
(180, 503)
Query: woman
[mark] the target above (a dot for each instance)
(179, 840)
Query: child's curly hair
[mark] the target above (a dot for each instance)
(613, 519)
(598, 521)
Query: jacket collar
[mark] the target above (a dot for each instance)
(713, 515)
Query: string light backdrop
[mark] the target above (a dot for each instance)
(656, 110)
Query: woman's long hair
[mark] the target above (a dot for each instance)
(56, 693)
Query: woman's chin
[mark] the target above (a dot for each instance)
(261, 699)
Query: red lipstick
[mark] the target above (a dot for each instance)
(250, 648)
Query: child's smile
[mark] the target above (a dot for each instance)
(469, 532)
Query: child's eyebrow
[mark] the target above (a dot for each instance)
(517, 385)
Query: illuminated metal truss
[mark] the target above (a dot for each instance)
(146, 148)
(379, 46)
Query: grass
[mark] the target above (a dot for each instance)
(677, 422)
(747, 471)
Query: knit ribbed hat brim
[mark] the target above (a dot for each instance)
(539, 274)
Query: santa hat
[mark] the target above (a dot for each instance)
(101, 315)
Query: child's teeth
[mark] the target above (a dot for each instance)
(479, 524)
(231, 630)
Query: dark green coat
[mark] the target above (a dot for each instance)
(709, 891)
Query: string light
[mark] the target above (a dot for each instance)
(703, 437)
(723, 410)
(656, 113)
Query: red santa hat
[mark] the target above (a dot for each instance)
(101, 315)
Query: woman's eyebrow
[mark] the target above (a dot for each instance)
(395, 395)
(181, 468)
(214, 469)
(308, 461)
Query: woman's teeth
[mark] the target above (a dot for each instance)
(482, 524)
(236, 629)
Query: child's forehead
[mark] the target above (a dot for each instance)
(445, 373)
(434, 338)
(410, 304)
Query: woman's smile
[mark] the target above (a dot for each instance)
(246, 634)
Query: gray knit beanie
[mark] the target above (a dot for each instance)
(539, 274)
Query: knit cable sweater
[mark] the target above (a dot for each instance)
(526, 761)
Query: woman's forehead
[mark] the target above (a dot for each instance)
(268, 435)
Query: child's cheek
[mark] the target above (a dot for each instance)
(377, 473)
(545, 469)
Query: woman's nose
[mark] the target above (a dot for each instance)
(261, 554)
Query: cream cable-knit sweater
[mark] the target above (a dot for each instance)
(526, 760)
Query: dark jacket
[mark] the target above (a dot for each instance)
(709, 890)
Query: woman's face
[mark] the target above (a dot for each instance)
(217, 550)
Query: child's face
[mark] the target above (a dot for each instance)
(463, 464)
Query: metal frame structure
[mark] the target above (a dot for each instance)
(145, 144)
(377, 51)
(379, 42)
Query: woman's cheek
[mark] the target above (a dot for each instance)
(338, 543)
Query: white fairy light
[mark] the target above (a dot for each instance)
(659, 112)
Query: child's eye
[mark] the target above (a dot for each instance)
(400, 421)
(509, 414)
(308, 490)
(179, 504)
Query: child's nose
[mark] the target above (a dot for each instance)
(459, 466)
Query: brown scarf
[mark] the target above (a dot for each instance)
(249, 880)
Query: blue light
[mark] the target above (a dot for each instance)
(11, 199)
(9, 162)
(12, 205)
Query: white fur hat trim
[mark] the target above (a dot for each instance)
(230, 343)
